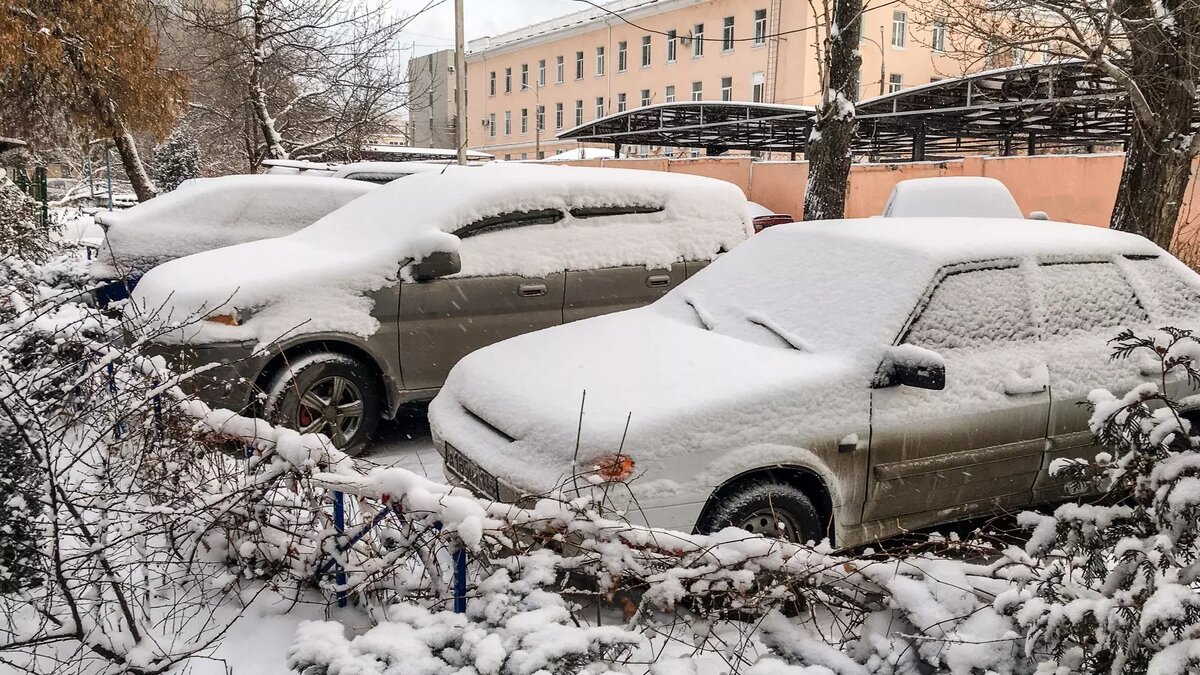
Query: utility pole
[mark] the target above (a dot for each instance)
(460, 84)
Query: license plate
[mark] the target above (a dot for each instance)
(471, 473)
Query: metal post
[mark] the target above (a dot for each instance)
(339, 526)
(1031, 144)
(108, 175)
(460, 83)
(91, 183)
(918, 150)
(460, 579)
(41, 186)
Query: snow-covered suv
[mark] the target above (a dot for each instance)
(851, 378)
(337, 325)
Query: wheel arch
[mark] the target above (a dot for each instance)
(806, 479)
(328, 344)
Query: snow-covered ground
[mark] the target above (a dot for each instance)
(405, 442)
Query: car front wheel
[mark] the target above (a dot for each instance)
(327, 393)
(766, 508)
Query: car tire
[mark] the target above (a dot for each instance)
(766, 508)
(322, 393)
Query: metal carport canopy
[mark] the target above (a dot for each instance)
(1051, 105)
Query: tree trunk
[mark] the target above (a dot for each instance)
(258, 96)
(1158, 158)
(828, 149)
(143, 187)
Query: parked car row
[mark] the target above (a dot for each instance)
(581, 329)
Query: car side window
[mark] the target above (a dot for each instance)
(1162, 284)
(507, 221)
(1086, 297)
(975, 308)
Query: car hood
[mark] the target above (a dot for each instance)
(653, 387)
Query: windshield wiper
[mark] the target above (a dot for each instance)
(789, 339)
(706, 319)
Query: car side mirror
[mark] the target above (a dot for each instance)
(1039, 215)
(436, 265)
(911, 366)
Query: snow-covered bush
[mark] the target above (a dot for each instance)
(22, 234)
(176, 159)
(1113, 585)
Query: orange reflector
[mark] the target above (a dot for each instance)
(224, 319)
(615, 467)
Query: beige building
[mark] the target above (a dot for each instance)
(576, 68)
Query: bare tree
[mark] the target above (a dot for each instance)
(293, 78)
(839, 29)
(1151, 48)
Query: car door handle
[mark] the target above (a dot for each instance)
(658, 280)
(532, 290)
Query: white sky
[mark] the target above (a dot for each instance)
(434, 29)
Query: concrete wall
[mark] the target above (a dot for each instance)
(1072, 188)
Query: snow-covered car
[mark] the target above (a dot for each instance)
(762, 217)
(951, 197)
(207, 213)
(340, 323)
(850, 379)
(371, 172)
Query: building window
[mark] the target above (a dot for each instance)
(599, 107)
(524, 155)
(524, 120)
(697, 91)
(727, 35)
(622, 56)
(757, 86)
(599, 61)
(507, 157)
(726, 88)
(895, 82)
(672, 40)
(524, 75)
(669, 93)
(760, 26)
(1018, 56)
(645, 51)
(579, 65)
(697, 41)
(899, 29)
(558, 115)
(507, 123)
(492, 125)
(558, 70)
(542, 73)
(645, 97)
(940, 30)
(578, 113)
(540, 120)
(492, 83)
(507, 80)
(621, 102)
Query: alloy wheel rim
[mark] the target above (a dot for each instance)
(332, 406)
(772, 522)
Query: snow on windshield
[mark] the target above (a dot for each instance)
(320, 277)
(821, 283)
(208, 213)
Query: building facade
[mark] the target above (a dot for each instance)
(431, 117)
(528, 85)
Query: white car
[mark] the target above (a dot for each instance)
(952, 197)
(371, 172)
(850, 379)
(207, 213)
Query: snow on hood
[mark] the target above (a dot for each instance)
(320, 276)
(678, 385)
(207, 213)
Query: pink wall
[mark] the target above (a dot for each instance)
(1072, 188)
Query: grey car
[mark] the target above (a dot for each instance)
(333, 328)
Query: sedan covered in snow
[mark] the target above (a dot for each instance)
(333, 327)
(207, 213)
(791, 388)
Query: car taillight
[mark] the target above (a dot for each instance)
(763, 222)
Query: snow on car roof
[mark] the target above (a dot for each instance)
(208, 213)
(951, 196)
(823, 282)
(319, 275)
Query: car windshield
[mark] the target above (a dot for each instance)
(801, 288)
